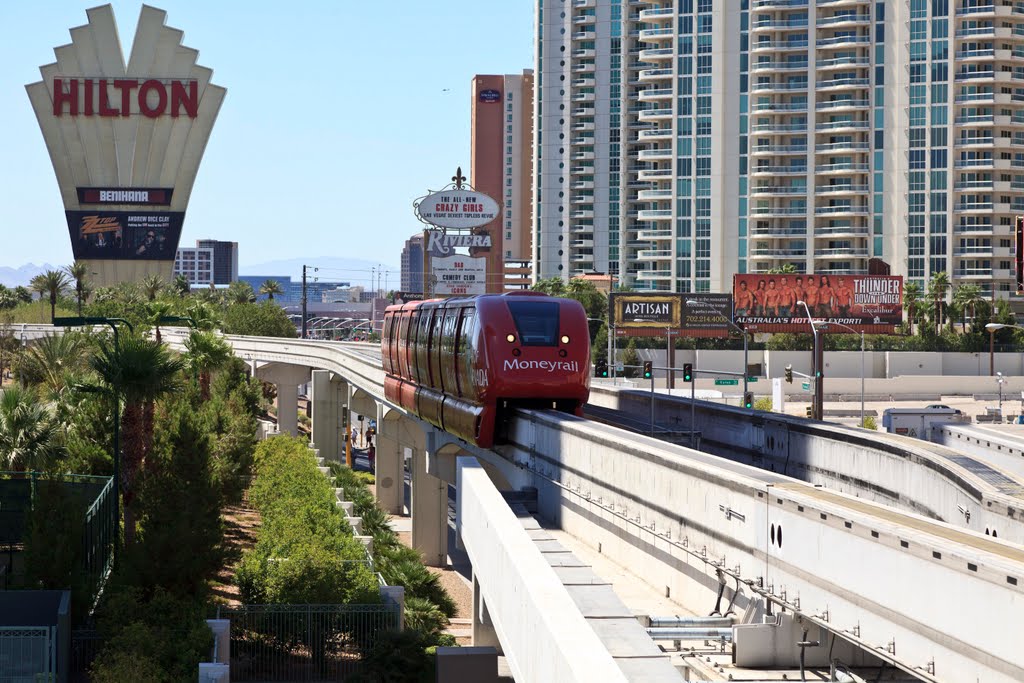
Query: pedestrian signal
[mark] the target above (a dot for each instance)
(789, 374)
(648, 369)
(748, 399)
(601, 368)
(687, 372)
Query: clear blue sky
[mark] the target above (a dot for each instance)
(338, 115)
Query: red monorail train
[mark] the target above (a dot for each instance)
(457, 363)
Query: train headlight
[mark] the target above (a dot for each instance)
(511, 339)
(565, 339)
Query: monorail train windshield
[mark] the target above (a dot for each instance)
(536, 322)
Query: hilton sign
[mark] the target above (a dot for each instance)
(125, 137)
(91, 97)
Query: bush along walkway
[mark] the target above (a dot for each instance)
(428, 607)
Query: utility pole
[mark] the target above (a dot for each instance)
(304, 328)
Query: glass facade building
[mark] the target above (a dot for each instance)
(681, 141)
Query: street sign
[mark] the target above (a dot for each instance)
(751, 379)
(726, 382)
(619, 367)
(806, 386)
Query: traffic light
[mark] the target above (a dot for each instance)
(687, 372)
(647, 369)
(601, 368)
(789, 374)
(810, 411)
(748, 399)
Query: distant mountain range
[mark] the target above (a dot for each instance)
(22, 275)
(331, 268)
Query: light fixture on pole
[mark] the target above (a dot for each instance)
(862, 368)
(999, 380)
(992, 329)
(817, 370)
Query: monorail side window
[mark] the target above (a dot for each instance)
(536, 322)
(386, 344)
(410, 348)
(403, 337)
(465, 353)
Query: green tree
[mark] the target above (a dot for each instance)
(24, 296)
(52, 283)
(595, 303)
(263, 319)
(271, 288)
(203, 315)
(179, 522)
(78, 271)
(912, 302)
(152, 285)
(141, 371)
(29, 434)
(181, 286)
(967, 297)
(55, 361)
(552, 286)
(240, 292)
(8, 299)
(206, 353)
(156, 311)
(937, 288)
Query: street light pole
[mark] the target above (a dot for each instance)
(862, 367)
(992, 329)
(816, 367)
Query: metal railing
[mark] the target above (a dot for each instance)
(28, 653)
(303, 642)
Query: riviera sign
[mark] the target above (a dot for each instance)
(457, 209)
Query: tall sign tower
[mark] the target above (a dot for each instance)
(125, 139)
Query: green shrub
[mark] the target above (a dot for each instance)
(763, 403)
(869, 423)
(366, 478)
(397, 657)
(305, 552)
(425, 617)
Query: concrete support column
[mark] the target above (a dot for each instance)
(484, 634)
(324, 432)
(287, 379)
(429, 512)
(390, 467)
(340, 390)
(288, 408)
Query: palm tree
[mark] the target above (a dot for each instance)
(77, 271)
(24, 296)
(240, 292)
(911, 302)
(203, 315)
(29, 434)
(8, 299)
(937, 289)
(54, 361)
(206, 353)
(181, 286)
(152, 285)
(155, 312)
(270, 288)
(967, 297)
(52, 283)
(140, 372)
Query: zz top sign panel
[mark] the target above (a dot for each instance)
(128, 235)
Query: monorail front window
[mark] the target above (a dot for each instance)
(536, 322)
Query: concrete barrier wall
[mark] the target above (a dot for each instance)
(540, 627)
(684, 517)
(900, 471)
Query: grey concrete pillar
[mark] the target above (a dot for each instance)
(287, 379)
(324, 434)
(429, 512)
(484, 634)
(288, 408)
(390, 466)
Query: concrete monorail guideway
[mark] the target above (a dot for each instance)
(935, 598)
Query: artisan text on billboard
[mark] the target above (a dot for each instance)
(92, 97)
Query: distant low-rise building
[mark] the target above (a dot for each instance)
(196, 264)
(412, 265)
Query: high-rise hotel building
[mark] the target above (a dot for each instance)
(681, 141)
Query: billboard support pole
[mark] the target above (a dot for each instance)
(426, 262)
(670, 355)
(611, 358)
(746, 365)
(819, 375)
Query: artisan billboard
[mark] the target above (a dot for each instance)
(125, 140)
(770, 302)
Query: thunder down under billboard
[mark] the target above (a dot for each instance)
(770, 302)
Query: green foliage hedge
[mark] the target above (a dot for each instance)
(305, 552)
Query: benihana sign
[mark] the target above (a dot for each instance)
(125, 96)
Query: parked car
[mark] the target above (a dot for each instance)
(944, 407)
